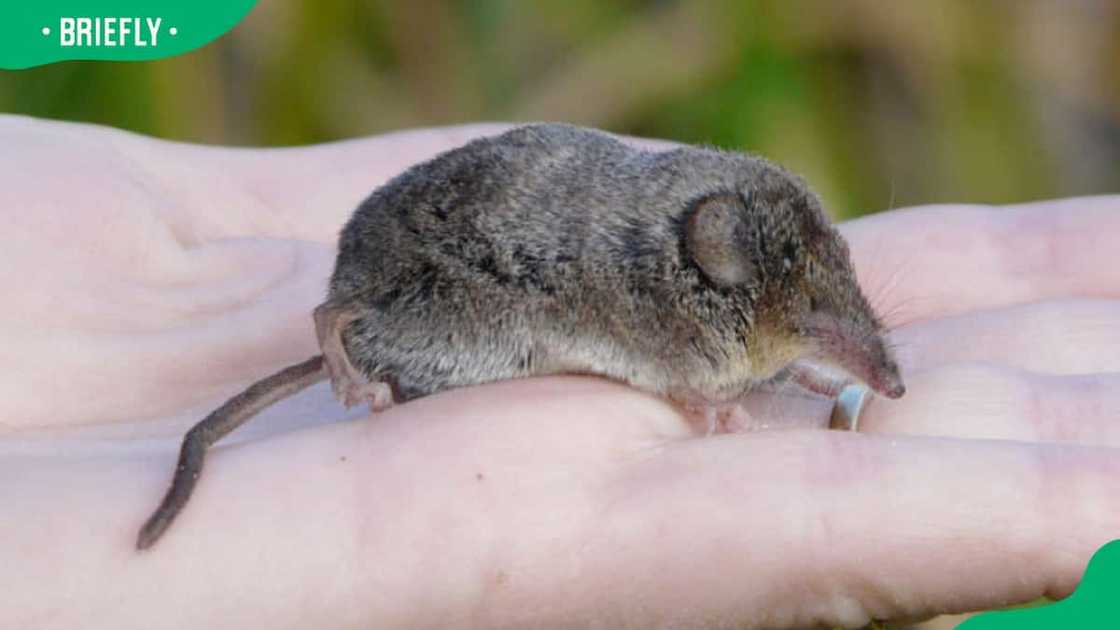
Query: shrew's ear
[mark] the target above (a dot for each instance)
(717, 238)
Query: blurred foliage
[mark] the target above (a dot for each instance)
(878, 103)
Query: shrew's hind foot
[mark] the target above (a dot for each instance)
(709, 419)
(350, 386)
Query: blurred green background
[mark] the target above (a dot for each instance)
(878, 103)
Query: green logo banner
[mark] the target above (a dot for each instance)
(1095, 603)
(36, 32)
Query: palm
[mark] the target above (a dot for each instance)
(148, 281)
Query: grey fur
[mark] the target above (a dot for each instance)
(557, 249)
(690, 273)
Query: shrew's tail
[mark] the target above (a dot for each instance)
(217, 425)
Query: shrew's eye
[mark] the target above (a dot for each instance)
(789, 251)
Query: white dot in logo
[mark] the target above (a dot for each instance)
(173, 31)
(46, 30)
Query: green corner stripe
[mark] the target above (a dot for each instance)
(1095, 603)
(36, 32)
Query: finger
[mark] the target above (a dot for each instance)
(802, 529)
(322, 185)
(303, 193)
(1075, 336)
(395, 521)
(163, 349)
(455, 508)
(103, 294)
(989, 402)
(936, 261)
(316, 188)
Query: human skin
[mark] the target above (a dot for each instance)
(147, 281)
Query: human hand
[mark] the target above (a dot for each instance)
(147, 281)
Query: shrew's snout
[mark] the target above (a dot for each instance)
(887, 380)
(862, 353)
